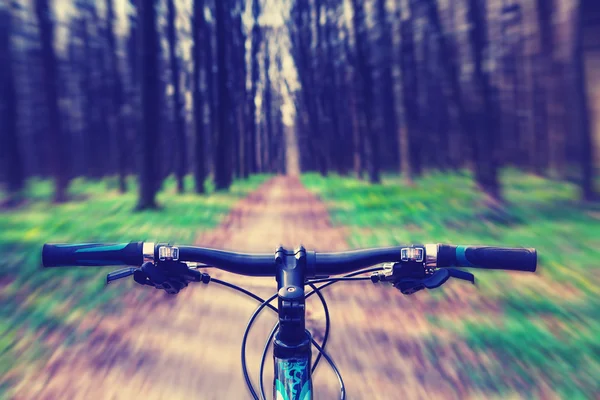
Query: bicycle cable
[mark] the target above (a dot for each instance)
(266, 303)
(362, 278)
(362, 271)
(245, 291)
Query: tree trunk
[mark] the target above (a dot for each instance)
(133, 92)
(332, 89)
(548, 96)
(586, 158)
(118, 125)
(422, 141)
(235, 88)
(484, 140)
(91, 150)
(104, 140)
(211, 97)
(319, 86)
(355, 114)
(57, 137)
(254, 76)
(409, 135)
(540, 110)
(362, 58)
(9, 136)
(302, 53)
(451, 72)
(268, 107)
(150, 118)
(198, 31)
(242, 95)
(222, 157)
(388, 102)
(181, 152)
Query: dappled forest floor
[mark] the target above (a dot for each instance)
(512, 335)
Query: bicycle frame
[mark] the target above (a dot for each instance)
(292, 379)
(292, 345)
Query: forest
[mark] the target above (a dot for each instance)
(359, 87)
(338, 124)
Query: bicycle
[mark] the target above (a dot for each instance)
(406, 268)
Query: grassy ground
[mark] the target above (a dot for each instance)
(523, 331)
(37, 303)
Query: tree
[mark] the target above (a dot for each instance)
(364, 70)
(339, 148)
(355, 114)
(318, 66)
(118, 125)
(409, 140)
(198, 33)
(222, 157)
(9, 135)
(542, 90)
(387, 100)
(133, 85)
(211, 97)
(181, 137)
(103, 140)
(90, 136)
(279, 153)
(485, 138)
(58, 151)
(586, 158)
(238, 99)
(301, 37)
(256, 38)
(550, 91)
(267, 143)
(149, 93)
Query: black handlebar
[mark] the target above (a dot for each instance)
(92, 254)
(513, 259)
(239, 263)
(96, 254)
(349, 261)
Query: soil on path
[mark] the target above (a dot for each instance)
(188, 346)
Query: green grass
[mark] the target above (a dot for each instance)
(548, 325)
(35, 302)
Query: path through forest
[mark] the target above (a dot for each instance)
(187, 346)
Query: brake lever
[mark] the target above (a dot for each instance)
(464, 275)
(120, 274)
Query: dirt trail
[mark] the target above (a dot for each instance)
(187, 346)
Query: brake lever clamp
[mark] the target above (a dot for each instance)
(171, 276)
(410, 286)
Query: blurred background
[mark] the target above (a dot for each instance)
(341, 124)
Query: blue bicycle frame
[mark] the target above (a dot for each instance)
(292, 379)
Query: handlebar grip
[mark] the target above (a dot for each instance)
(486, 257)
(92, 254)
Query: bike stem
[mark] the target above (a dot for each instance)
(291, 274)
(292, 345)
